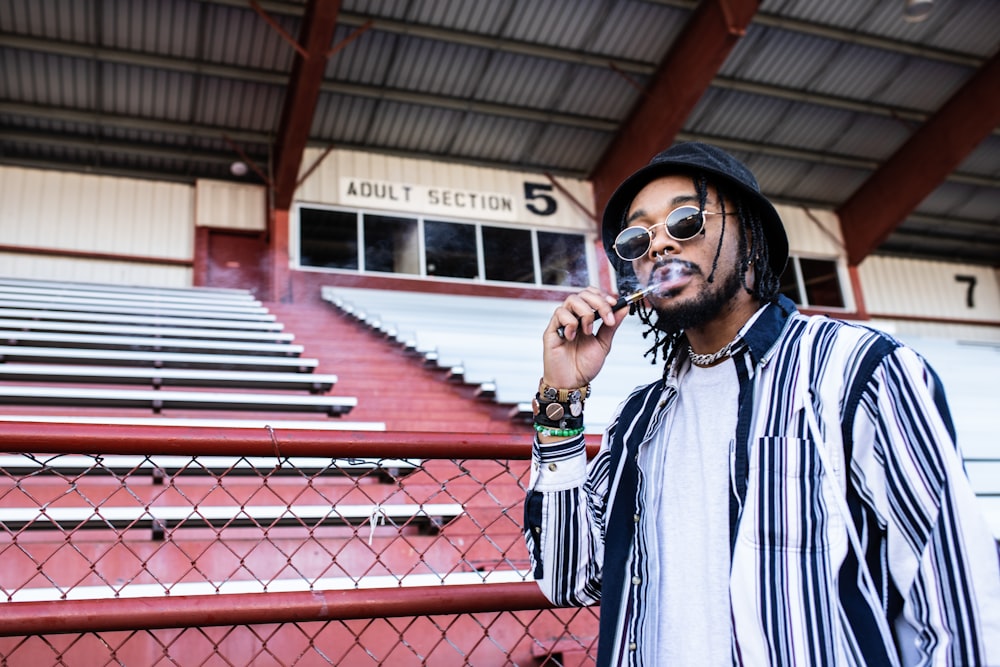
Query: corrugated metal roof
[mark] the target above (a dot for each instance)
(815, 96)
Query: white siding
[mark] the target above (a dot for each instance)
(231, 205)
(72, 211)
(897, 286)
(812, 232)
(325, 186)
(72, 269)
(76, 212)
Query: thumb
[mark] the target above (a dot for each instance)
(606, 332)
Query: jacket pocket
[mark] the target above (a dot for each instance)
(787, 508)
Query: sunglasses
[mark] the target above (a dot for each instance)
(682, 224)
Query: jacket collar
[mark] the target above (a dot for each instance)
(755, 339)
(761, 332)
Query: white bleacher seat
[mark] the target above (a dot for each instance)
(984, 473)
(107, 329)
(314, 383)
(428, 517)
(112, 342)
(190, 422)
(104, 306)
(968, 372)
(83, 292)
(65, 355)
(162, 399)
(147, 303)
(232, 586)
(137, 320)
(494, 343)
(225, 293)
(498, 341)
(124, 465)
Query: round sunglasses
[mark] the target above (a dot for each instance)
(682, 224)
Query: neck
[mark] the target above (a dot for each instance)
(718, 333)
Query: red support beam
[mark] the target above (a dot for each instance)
(683, 77)
(280, 287)
(921, 164)
(18, 619)
(318, 24)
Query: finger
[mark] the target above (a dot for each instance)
(588, 307)
(607, 332)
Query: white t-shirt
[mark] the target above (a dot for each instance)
(691, 500)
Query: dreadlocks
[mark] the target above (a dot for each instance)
(752, 251)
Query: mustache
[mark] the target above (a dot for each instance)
(667, 268)
(663, 271)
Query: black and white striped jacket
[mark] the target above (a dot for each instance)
(796, 588)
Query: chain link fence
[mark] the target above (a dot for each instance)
(155, 538)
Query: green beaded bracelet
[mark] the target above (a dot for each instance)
(558, 432)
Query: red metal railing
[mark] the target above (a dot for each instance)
(70, 585)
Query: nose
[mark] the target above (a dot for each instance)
(661, 243)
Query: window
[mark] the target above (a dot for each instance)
(391, 244)
(812, 283)
(451, 249)
(328, 238)
(563, 259)
(370, 242)
(821, 282)
(507, 255)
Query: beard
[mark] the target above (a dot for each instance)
(674, 317)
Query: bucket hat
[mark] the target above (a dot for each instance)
(722, 169)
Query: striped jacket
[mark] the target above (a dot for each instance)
(797, 593)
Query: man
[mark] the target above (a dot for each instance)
(789, 493)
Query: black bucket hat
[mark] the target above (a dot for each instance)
(721, 169)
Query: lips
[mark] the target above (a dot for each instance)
(671, 277)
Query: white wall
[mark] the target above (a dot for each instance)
(101, 214)
(71, 269)
(424, 187)
(812, 232)
(230, 205)
(924, 288)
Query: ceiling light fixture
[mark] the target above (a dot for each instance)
(915, 11)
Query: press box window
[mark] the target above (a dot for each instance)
(507, 255)
(563, 259)
(391, 244)
(328, 238)
(359, 241)
(450, 249)
(812, 283)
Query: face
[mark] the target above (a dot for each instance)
(684, 298)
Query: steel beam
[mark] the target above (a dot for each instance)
(682, 79)
(318, 26)
(921, 164)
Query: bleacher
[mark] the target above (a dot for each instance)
(196, 341)
(494, 344)
(140, 357)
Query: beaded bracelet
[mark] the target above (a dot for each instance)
(558, 432)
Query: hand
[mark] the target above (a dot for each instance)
(574, 359)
